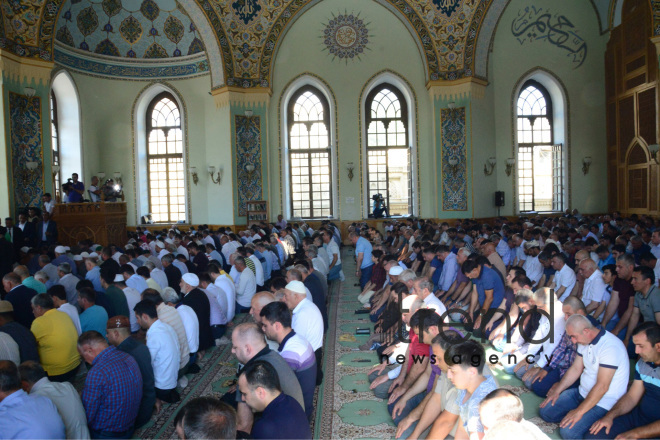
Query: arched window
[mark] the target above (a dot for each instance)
(388, 149)
(165, 160)
(309, 150)
(540, 169)
(55, 145)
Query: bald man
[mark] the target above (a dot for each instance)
(249, 345)
(603, 380)
(258, 302)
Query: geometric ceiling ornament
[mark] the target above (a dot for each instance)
(173, 29)
(87, 21)
(112, 7)
(130, 29)
(149, 9)
(345, 37)
(126, 24)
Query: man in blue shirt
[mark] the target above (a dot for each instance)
(363, 255)
(489, 289)
(77, 189)
(282, 417)
(23, 415)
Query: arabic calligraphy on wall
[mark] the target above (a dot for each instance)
(346, 37)
(537, 24)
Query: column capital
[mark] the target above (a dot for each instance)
(227, 95)
(19, 69)
(460, 88)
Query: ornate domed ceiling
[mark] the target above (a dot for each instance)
(128, 28)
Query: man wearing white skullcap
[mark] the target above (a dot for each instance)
(199, 302)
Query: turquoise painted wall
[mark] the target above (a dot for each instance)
(391, 47)
(509, 62)
(107, 107)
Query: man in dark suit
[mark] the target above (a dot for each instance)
(199, 302)
(46, 231)
(172, 272)
(14, 234)
(7, 253)
(27, 230)
(20, 297)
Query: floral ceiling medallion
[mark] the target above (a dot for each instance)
(346, 37)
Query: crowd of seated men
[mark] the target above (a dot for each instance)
(132, 322)
(563, 303)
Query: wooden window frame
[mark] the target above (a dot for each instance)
(522, 146)
(150, 127)
(386, 121)
(55, 146)
(309, 151)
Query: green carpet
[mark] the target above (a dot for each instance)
(349, 409)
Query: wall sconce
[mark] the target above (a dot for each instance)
(211, 170)
(117, 175)
(29, 92)
(30, 165)
(586, 163)
(654, 149)
(489, 166)
(451, 105)
(100, 175)
(193, 173)
(510, 162)
(350, 168)
(249, 113)
(453, 162)
(250, 169)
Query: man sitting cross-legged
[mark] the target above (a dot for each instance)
(603, 380)
(637, 413)
(296, 350)
(466, 363)
(249, 346)
(282, 417)
(383, 376)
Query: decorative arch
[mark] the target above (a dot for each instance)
(638, 173)
(408, 94)
(638, 152)
(290, 90)
(69, 132)
(560, 128)
(139, 118)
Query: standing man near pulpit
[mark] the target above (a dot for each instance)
(77, 189)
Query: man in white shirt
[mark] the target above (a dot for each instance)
(423, 288)
(222, 281)
(655, 244)
(307, 320)
(334, 255)
(602, 367)
(49, 203)
(58, 294)
(257, 266)
(519, 244)
(565, 278)
(594, 287)
(247, 286)
(319, 263)
(94, 190)
(157, 275)
(164, 349)
(218, 304)
(132, 298)
(62, 394)
(132, 279)
(532, 265)
(69, 282)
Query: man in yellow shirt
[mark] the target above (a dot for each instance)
(56, 339)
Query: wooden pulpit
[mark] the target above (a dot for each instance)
(102, 222)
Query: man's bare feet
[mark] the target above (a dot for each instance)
(159, 405)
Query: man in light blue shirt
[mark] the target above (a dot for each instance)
(268, 259)
(363, 255)
(94, 274)
(449, 268)
(23, 415)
